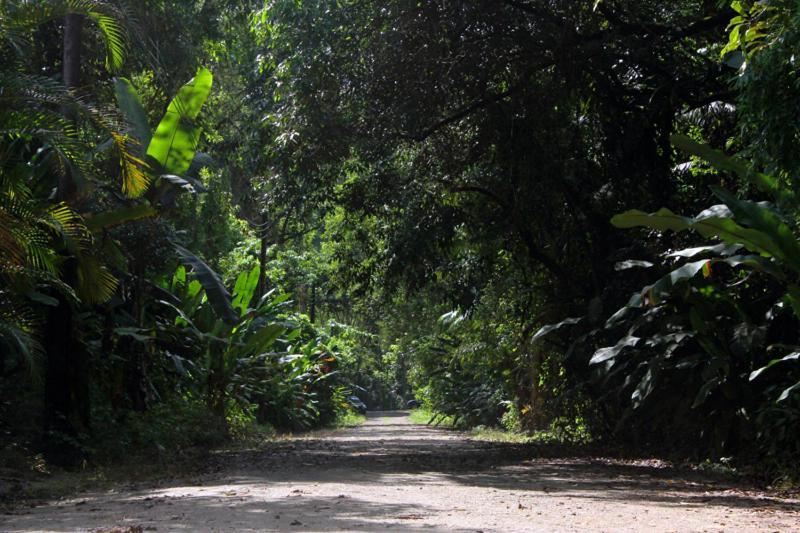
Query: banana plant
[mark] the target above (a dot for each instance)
(690, 340)
(170, 150)
(763, 229)
(265, 358)
(238, 354)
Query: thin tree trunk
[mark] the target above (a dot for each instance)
(536, 393)
(313, 304)
(263, 232)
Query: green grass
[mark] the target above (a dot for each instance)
(349, 419)
(501, 435)
(424, 415)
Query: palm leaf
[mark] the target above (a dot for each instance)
(96, 284)
(135, 180)
(106, 15)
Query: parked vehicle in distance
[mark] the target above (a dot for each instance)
(357, 404)
(413, 404)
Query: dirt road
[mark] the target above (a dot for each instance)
(392, 475)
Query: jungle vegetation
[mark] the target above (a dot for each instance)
(574, 219)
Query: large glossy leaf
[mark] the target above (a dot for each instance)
(138, 334)
(174, 143)
(632, 263)
(705, 391)
(741, 168)
(662, 220)
(131, 107)
(606, 354)
(182, 318)
(217, 294)
(645, 387)
(178, 279)
(719, 249)
(109, 219)
(764, 219)
(656, 293)
(245, 288)
(663, 287)
(712, 223)
(546, 330)
(185, 183)
(788, 392)
(200, 161)
(636, 301)
(791, 357)
(263, 339)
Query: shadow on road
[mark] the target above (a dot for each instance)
(391, 474)
(380, 450)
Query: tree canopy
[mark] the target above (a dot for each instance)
(567, 218)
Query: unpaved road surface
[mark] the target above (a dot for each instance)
(392, 475)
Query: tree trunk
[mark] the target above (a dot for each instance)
(57, 397)
(536, 393)
(134, 376)
(536, 417)
(261, 289)
(71, 73)
(216, 388)
(73, 32)
(264, 232)
(67, 408)
(67, 405)
(313, 305)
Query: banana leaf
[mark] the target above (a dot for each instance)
(175, 141)
(217, 294)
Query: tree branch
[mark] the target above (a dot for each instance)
(461, 114)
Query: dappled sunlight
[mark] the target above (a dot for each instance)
(239, 237)
(369, 478)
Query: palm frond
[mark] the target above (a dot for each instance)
(23, 239)
(34, 106)
(18, 18)
(135, 180)
(70, 227)
(96, 284)
(18, 328)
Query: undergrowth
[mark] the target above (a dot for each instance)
(349, 419)
(424, 415)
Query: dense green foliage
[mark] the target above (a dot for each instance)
(118, 334)
(469, 203)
